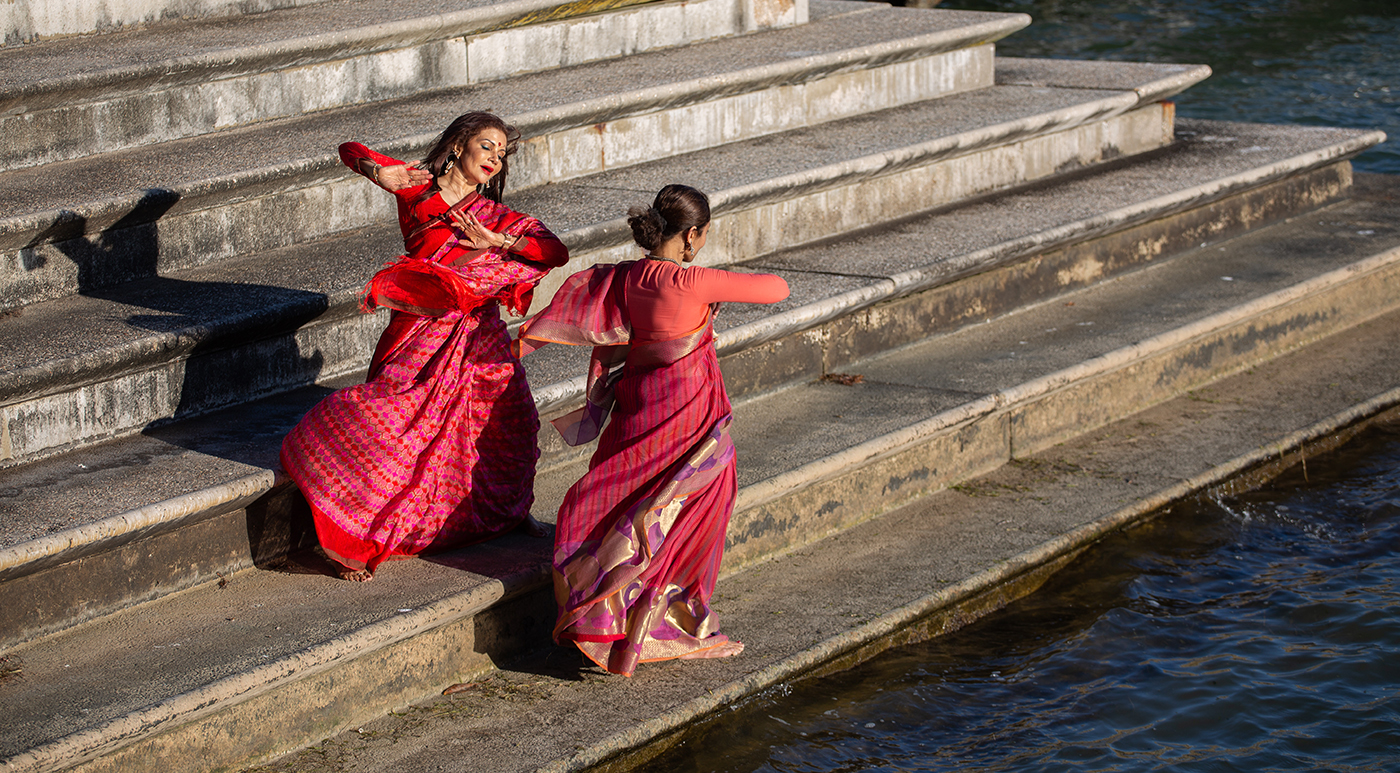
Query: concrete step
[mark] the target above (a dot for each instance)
(105, 365)
(184, 502)
(166, 478)
(236, 671)
(93, 223)
(34, 20)
(924, 570)
(985, 140)
(67, 99)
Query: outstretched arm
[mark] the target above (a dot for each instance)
(388, 173)
(711, 285)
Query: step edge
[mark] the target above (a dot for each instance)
(90, 743)
(924, 153)
(1007, 398)
(902, 617)
(195, 703)
(145, 521)
(34, 381)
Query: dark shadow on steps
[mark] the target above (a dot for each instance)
(235, 341)
(230, 344)
(126, 250)
(282, 535)
(556, 661)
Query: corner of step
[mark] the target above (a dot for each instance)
(118, 529)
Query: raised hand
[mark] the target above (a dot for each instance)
(474, 234)
(393, 178)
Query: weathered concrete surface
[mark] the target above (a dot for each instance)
(27, 20)
(291, 154)
(815, 461)
(166, 479)
(285, 319)
(927, 568)
(207, 82)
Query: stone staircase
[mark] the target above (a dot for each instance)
(1010, 252)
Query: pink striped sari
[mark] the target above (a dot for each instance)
(640, 537)
(438, 448)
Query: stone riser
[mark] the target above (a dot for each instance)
(257, 530)
(317, 701)
(206, 103)
(674, 130)
(198, 230)
(896, 188)
(833, 345)
(237, 539)
(62, 419)
(774, 516)
(187, 386)
(28, 20)
(800, 507)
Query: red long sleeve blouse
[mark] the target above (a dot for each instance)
(665, 301)
(537, 244)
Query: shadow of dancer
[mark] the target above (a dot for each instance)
(194, 347)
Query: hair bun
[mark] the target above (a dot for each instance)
(648, 227)
(677, 208)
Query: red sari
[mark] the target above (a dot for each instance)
(640, 537)
(438, 448)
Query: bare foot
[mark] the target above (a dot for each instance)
(725, 650)
(533, 527)
(356, 575)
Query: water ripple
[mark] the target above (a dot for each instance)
(1251, 633)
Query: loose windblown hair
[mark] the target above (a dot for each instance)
(458, 134)
(677, 208)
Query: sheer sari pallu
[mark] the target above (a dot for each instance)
(437, 449)
(640, 537)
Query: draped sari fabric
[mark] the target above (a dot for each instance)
(438, 448)
(640, 537)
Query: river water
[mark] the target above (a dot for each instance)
(1251, 633)
(1307, 62)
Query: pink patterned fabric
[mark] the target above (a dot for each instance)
(640, 537)
(438, 448)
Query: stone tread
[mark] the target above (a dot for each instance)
(151, 56)
(248, 161)
(47, 498)
(218, 634)
(160, 317)
(799, 611)
(69, 340)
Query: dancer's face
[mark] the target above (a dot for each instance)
(483, 156)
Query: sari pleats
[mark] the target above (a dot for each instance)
(640, 537)
(437, 451)
(438, 448)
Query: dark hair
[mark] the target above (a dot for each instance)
(458, 134)
(677, 208)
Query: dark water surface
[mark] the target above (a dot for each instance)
(1253, 633)
(1306, 62)
(1256, 633)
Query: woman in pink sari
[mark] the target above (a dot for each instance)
(438, 448)
(640, 537)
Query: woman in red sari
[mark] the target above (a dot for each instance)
(438, 448)
(640, 537)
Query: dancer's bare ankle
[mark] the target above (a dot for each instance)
(726, 650)
(356, 575)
